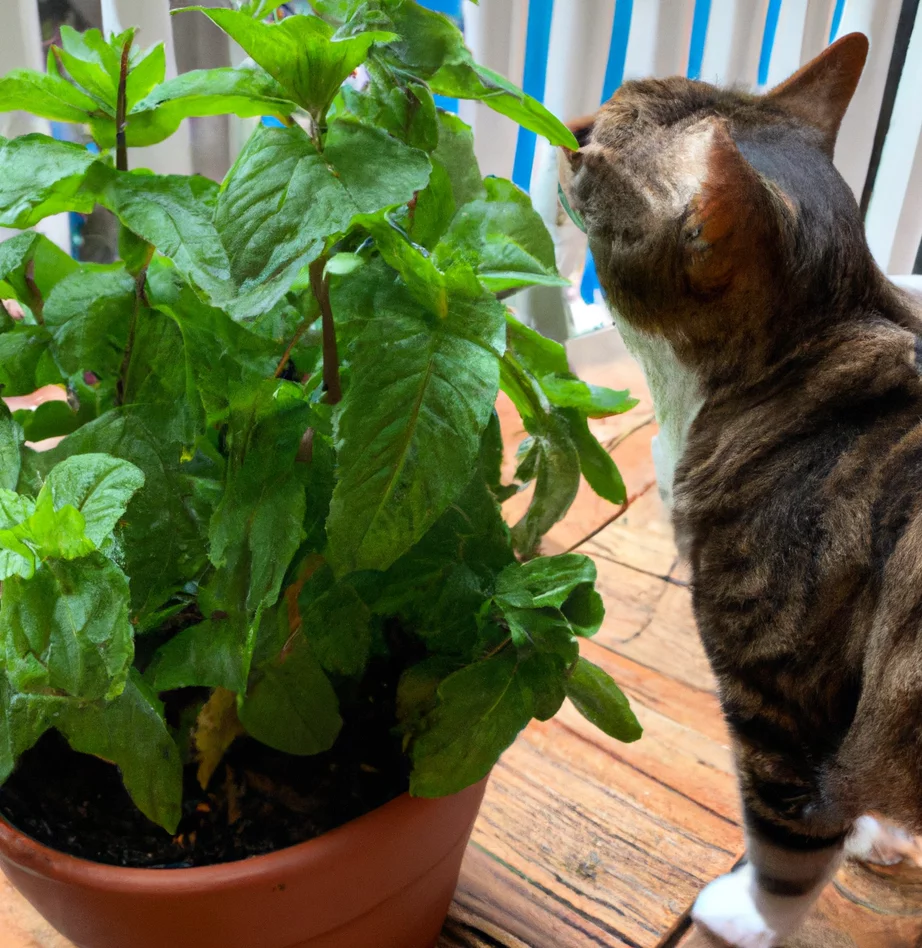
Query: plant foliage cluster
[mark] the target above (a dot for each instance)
(280, 439)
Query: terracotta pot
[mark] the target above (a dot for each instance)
(385, 880)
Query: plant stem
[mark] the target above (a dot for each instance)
(140, 299)
(321, 287)
(36, 302)
(291, 345)
(121, 111)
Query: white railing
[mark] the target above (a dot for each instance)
(590, 47)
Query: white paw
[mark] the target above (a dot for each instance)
(733, 908)
(882, 843)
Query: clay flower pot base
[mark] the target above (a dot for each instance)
(385, 880)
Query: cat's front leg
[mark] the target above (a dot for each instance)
(763, 901)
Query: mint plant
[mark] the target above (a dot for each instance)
(280, 437)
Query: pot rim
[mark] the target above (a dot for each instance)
(33, 856)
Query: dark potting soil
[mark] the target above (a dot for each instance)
(259, 801)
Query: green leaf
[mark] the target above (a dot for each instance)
(540, 355)
(592, 400)
(88, 315)
(584, 611)
(174, 214)
(292, 706)
(11, 439)
(49, 265)
(16, 559)
(40, 177)
(303, 53)
(67, 629)
(596, 464)
(56, 532)
(600, 701)
(403, 459)
(503, 237)
(481, 710)
(45, 95)
(207, 655)
(97, 485)
(557, 484)
(573, 215)
(282, 200)
(163, 541)
(23, 720)
(146, 71)
(131, 733)
(544, 581)
(221, 357)
(26, 362)
(336, 624)
(245, 92)
(89, 76)
(473, 81)
(406, 111)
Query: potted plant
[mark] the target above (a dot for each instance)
(263, 583)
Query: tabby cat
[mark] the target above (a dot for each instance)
(785, 371)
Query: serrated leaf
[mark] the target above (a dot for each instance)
(292, 706)
(174, 214)
(46, 263)
(23, 720)
(131, 733)
(601, 701)
(67, 629)
(481, 710)
(26, 361)
(544, 581)
(40, 177)
(45, 95)
(540, 355)
(556, 485)
(164, 543)
(97, 485)
(406, 111)
(11, 439)
(303, 53)
(282, 200)
(596, 464)
(88, 315)
(245, 92)
(403, 459)
(56, 532)
(207, 655)
(503, 237)
(593, 401)
(337, 626)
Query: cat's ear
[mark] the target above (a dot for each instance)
(819, 93)
(582, 132)
(727, 217)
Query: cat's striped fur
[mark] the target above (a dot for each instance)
(721, 230)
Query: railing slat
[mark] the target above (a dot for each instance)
(877, 19)
(816, 28)
(894, 218)
(495, 34)
(734, 41)
(659, 39)
(789, 40)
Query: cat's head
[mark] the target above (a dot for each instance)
(705, 206)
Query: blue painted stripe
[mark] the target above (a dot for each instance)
(768, 39)
(698, 36)
(537, 41)
(836, 20)
(617, 53)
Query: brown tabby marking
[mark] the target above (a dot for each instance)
(723, 234)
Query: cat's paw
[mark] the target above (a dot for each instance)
(881, 843)
(732, 908)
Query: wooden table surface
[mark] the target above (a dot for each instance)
(583, 842)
